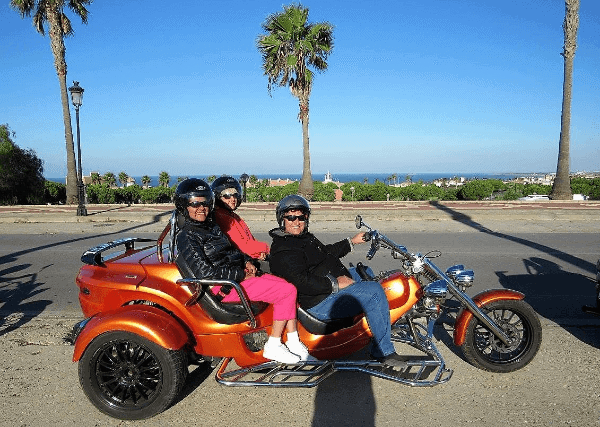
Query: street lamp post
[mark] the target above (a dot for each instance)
(77, 98)
(244, 178)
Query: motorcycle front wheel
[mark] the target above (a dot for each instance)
(519, 321)
(129, 377)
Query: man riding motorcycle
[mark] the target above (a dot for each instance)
(326, 288)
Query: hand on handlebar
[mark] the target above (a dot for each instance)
(361, 237)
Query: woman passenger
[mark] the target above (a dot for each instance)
(228, 197)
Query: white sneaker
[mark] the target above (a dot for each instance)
(279, 353)
(299, 349)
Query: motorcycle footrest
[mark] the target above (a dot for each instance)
(420, 372)
(273, 374)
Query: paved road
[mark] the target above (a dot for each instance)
(560, 387)
(37, 271)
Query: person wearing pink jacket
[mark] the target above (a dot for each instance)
(228, 196)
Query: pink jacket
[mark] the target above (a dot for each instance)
(238, 232)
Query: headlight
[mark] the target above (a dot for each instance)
(454, 270)
(434, 294)
(465, 278)
(436, 290)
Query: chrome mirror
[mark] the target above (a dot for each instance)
(358, 221)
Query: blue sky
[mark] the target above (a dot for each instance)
(413, 86)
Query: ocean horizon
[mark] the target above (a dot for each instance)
(357, 177)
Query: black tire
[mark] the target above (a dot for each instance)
(129, 377)
(485, 351)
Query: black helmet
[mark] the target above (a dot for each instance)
(224, 183)
(292, 203)
(192, 187)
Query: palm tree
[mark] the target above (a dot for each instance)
(561, 189)
(95, 177)
(290, 46)
(164, 179)
(123, 178)
(51, 13)
(109, 178)
(145, 181)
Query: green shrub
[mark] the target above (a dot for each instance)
(536, 189)
(54, 192)
(157, 195)
(358, 193)
(101, 193)
(586, 186)
(480, 189)
(324, 192)
(131, 194)
(513, 192)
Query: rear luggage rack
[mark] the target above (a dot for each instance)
(93, 256)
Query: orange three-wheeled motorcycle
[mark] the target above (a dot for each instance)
(146, 324)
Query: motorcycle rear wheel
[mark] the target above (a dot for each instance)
(129, 377)
(519, 321)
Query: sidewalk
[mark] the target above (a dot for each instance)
(540, 216)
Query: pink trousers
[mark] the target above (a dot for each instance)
(271, 289)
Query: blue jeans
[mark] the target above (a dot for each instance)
(361, 297)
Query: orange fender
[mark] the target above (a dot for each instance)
(481, 299)
(143, 320)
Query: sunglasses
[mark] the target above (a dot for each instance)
(229, 196)
(205, 204)
(292, 218)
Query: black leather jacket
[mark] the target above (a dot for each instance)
(204, 251)
(308, 264)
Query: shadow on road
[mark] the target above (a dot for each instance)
(345, 399)
(108, 210)
(553, 252)
(553, 293)
(14, 291)
(17, 286)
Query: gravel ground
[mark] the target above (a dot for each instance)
(559, 388)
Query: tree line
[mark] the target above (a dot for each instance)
(22, 182)
(261, 191)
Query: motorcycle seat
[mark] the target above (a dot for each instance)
(322, 327)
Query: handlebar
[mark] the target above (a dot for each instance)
(379, 240)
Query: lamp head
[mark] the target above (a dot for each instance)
(76, 94)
